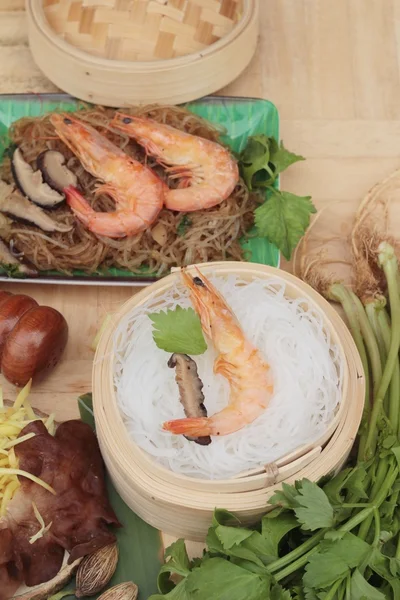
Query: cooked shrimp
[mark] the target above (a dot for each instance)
(239, 361)
(137, 191)
(207, 171)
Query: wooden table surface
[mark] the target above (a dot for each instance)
(332, 69)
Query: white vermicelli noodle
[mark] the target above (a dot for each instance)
(307, 369)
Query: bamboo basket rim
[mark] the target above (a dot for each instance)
(136, 454)
(35, 10)
(344, 435)
(168, 494)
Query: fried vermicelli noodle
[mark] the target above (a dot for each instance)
(175, 239)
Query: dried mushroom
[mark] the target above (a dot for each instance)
(19, 208)
(54, 170)
(31, 183)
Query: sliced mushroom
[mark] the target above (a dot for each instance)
(19, 208)
(190, 391)
(54, 170)
(5, 226)
(31, 183)
(15, 267)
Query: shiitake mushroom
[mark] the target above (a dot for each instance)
(31, 183)
(54, 170)
(32, 338)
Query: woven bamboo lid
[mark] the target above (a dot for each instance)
(142, 30)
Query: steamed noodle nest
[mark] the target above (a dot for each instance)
(202, 236)
(307, 371)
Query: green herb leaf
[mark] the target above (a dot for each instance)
(183, 225)
(274, 528)
(229, 541)
(263, 159)
(388, 569)
(362, 590)
(178, 592)
(178, 562)
(218, 579)
(232, 536)
(12, 270)
(178, 331)
(334, 488)
(278, 593)
(280, 157)
(334, 561)
(283, 219)
(314, 510)
(286, 497)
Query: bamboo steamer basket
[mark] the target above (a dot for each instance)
(126, 52)
(183, 506)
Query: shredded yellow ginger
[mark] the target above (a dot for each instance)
(12, 421)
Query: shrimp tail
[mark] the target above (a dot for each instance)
(192, 427)
(78, 204)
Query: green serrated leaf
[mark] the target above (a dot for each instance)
(232, 536)
(255, 160)
(280, 157)
(177, 592)
(362, 590)
(388, 569)
(177, 560)
(314, 510)
(178, 331)
(334, 561)
(286, 497)
(278, 593)
(284, 219)
(263, 160)
(333, 489)
(218, 579)
(273, 530)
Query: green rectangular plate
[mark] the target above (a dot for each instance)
(241, 118)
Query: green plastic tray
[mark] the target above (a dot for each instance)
(241, 118)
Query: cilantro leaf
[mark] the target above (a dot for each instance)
(314, 510)
(283, 219)
(286, 497)
(278, 593)
(360, 589)
(334, 560)
(178, 562)
(219, 579)
(386, 568)
(274, 528)
(230, 541)
(178, 331)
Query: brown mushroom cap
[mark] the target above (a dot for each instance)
(31, 183)
(54, 170)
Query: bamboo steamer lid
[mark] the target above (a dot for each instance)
(120, 52)
(181, 505)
